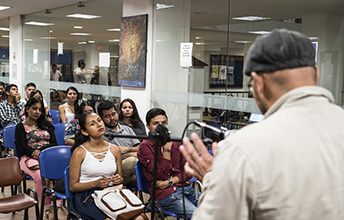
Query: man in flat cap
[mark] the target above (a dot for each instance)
(291, 164)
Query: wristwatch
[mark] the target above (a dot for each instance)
(170, 182)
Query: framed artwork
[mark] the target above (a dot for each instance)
(226, 70)
(133, 51)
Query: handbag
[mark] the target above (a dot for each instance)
(118, 204)
(32, 164)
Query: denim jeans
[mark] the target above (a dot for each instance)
(174, 202)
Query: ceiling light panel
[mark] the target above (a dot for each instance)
(251, 18)
(4, 7)
(113, 29)
(37, 23)
(80, 34)
(163, 6)
(83, 16)
(259, 32)
(4, 29)
(78, 27)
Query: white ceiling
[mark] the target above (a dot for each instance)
(208, 18)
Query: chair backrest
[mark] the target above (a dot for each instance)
(8, 136)
(142, 183)
(60, 132)
(56, 116)
(66, 181)
(10, 171)
(53, 161)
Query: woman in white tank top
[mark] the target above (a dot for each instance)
(95, 164)
(67, 111)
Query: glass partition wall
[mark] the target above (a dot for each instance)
(214, 88)
(4, 50)
(65, 37)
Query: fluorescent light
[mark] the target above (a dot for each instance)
(28, 39)
(113, 29)
(198, 38)
(80, 34)
(251, 18)
(163, 6)
(243, 41)
(4, 29)
(160, 41)
(91, 41)
(78, 27)
(47, 38)
(4, 7)
(114, 40)
(259, 32)
(83, 42)
(314, 38)
(199, 43)
(37, 23)
(83, 16)
(51, 31)
(7, 36)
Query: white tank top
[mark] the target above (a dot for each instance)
(69, 116)
(93, 168)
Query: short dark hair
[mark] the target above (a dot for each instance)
(105, 105)
(2, 84)
(8, 87)
(30, 84)
(154, 112)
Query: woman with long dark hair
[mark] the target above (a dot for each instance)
(74, 126)
(32, 136)
(68, 110)
(128, 115)
(95, 164)
(38, 94)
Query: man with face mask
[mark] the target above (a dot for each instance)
(289, 165)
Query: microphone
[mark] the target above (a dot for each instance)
(217, 134)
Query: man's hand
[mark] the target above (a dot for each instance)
(35, 154)
(161, 184)
(17, 97)
(198, 163)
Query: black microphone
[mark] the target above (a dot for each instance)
(217, 134)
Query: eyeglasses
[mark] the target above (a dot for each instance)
(249, 84)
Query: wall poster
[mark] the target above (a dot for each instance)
(226, 69)
(132, 51)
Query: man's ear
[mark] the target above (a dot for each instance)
(316, 75)
(147, 125)
(84, 132)
(258, 83)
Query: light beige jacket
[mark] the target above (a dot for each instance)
(288, 166)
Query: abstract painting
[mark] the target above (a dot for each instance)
(132, 51)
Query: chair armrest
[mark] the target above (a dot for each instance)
(33, 191)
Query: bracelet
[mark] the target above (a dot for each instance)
(168, 150)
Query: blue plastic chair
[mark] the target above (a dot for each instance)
(142, 186)
(8, 137)
(71, 214)
(60, 132)
(56, 116)
(52, 163)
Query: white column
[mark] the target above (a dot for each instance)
(16, 52)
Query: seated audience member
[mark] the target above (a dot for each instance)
(55, 74)
(10, 107)
(95, 164)
(32, 136)
(37, 94)
(29, 87)
(168, 186)
(128, 147)
(67, 110)
(74, 126)
(2, 91)
(128, 115)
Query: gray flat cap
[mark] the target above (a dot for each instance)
(279, 50)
